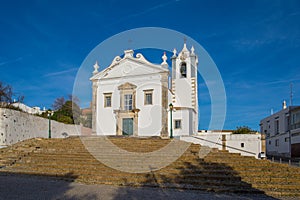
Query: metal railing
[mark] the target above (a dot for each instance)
(291, 162)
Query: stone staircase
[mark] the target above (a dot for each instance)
(11, 154)
(156, 163)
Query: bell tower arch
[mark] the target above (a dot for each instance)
(184, 81)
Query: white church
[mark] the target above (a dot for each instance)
(137, 98)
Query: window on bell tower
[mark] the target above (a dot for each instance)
(183, 70)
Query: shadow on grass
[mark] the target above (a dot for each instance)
(194, 179)
(187, 178)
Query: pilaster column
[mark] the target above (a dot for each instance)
(94, 108)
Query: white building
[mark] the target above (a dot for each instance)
(245, 144)
(132, 96)
(27, 109)
(282, 131)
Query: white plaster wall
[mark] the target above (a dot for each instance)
(187, 117)
(282, 148)
(252, 142)
(268, 123)
(270, 146)
(168, 112)
(105, 119)
(149, 117)
(212, 140)
(17, 126)
(182, 115)
(183, 92)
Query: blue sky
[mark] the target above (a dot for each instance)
(254, 43)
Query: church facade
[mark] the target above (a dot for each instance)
(132, 96)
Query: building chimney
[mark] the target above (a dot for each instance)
(284, 104)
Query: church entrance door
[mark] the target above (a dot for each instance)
(127, 126)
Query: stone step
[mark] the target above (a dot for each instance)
(94, 164)
(277, 186)
(229, 159)
(204, 187)
(273, 180)
(132, 159)
(209, 169)
(86, 153)
(235, 163)
(220, 153)
(117, 174)
(243, 169)
(89, 175)
(65, 148)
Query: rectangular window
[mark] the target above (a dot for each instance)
(148, 97)
(276, 126)
(277, 142)
(242, 145)
(177, 124)
(295, 120)
(286, 139)
(287, 123)
(107, 100)
(295, 134)
(128, 102)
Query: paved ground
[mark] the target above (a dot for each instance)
(36, 187)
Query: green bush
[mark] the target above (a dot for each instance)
(65, 119)
(243, 130)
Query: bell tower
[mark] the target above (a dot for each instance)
(184, 82)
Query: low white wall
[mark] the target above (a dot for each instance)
(233, 142)
(212, 140)
(16, 126)
(251, 144)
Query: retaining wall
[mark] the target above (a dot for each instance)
(16, 126)
(245, 144)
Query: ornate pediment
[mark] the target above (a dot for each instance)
(127, 86)
(129, 66)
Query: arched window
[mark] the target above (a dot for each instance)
(183, 70)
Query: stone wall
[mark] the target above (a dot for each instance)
(16, 126)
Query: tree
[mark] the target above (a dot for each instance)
(74, 99)
(7, 95)
(67, 111)
(58, 103)
(243, 130)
